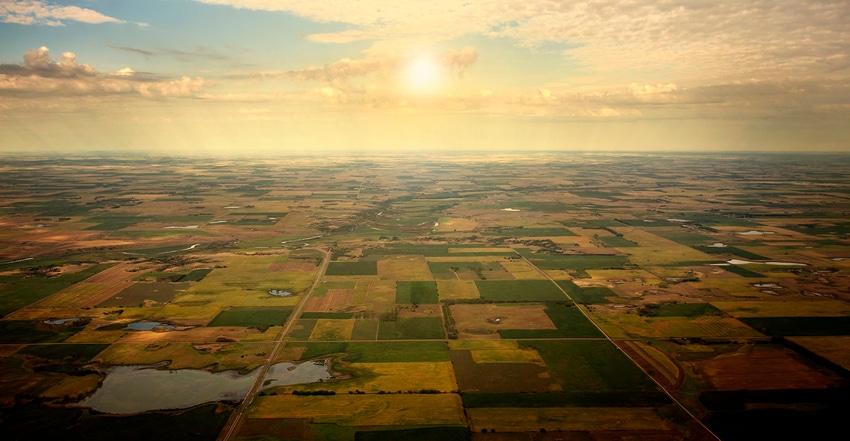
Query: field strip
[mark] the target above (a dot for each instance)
(235, 420)
(607, 337)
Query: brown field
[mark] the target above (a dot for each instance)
(94, 290)
(364, 410)
(622, 324)
(479, 321)
(404, 268)
(388, 377)
(295, 428)
(800, 308)
(292, 266)
(834, 348)
(501, 377)
(521, 269)
(194, 335)
(334, 300)
(761, 367)
(73, 387)
(565, 418)
(450, 224)
(329, 329)
(457, 289)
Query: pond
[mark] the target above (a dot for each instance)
(133, 389)
(147, 326)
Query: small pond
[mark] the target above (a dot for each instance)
(147, 326)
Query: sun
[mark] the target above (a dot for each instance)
(423, 73)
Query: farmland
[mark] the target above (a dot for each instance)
(602, 296)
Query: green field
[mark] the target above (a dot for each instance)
(567, 318)
(801, 326)
(360, 268)
(519, 290)
(416, 292)
(253, 317)
(586, 296)
(590, 366)
(378, 352)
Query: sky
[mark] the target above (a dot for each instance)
(307, 76)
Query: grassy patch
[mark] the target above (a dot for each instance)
(418, 292)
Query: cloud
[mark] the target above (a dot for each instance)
(714, 40)
(131, 49)
(36, 12)
(40, 75)
(184, 87)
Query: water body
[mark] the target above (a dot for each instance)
(147, 326)
(133, 389)
(61, 321)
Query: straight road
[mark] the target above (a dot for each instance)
(235, 420)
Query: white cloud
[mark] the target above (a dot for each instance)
(36, 12)
(40, 76)
(184, 87)
(719, 40)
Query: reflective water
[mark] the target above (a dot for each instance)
(131, 389)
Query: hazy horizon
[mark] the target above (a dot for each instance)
(229, 76)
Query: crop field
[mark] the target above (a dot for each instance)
(255, 317)
(437, 297)
(392, 377)
(326, 329)
(814, 308)
(486, 320)
(138, 293)
(522, 290)
(335, 299)
(634, 325)
(501, 377)
(365, 410)
(361, 268)
(761, 367)
(404, 267)
(567, 419)
(416, 292)
(457, 289)
(832, 348)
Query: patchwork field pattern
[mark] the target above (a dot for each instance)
(541, 296)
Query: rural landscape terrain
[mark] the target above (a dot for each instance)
(547, 296)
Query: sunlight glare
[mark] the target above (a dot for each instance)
(423, 73)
